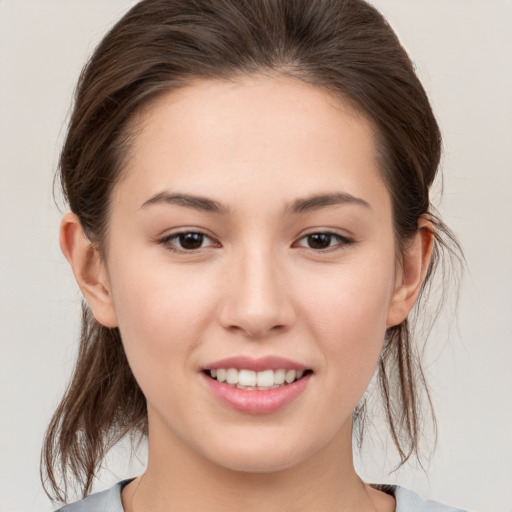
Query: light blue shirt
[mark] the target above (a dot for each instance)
(110, 501)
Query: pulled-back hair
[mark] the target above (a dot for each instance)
(343, 46)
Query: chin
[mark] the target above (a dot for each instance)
(261, 452)
(257, 463)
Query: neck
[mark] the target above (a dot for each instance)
(179, 477)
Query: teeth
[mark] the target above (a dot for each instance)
(247, 378)
(290, 376)
(279, 376)
(265, 379)
(232, 376)
(250, 380)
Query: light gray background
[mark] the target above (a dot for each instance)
(463, 51)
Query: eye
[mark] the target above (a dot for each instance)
(187, 241)
(323, 241)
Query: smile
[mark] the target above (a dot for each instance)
(256, 381)
(258, 386)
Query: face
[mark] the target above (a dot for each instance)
(251, 240)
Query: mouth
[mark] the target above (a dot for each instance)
(255, 386)
(251, 380)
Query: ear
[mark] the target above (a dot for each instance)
(89, 269)
(410, 277)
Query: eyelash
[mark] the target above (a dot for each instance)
(167, 241)
(342, 241)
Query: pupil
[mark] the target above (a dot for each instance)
(191, 240)
(319, 240)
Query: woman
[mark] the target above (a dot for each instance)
(250, 227)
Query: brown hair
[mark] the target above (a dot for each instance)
(344, 46)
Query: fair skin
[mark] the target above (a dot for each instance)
(293, 256)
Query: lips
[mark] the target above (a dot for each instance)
(256, 386)
(256, 364)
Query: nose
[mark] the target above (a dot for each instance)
(257, 301)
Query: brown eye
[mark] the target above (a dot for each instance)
(191, 241)
(323, 241)
(319, 240)
(187, 241)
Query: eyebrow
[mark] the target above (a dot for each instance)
(189, 201)
(319, 201)
(315, 202)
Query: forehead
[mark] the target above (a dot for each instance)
(256, 131)
(258, 107)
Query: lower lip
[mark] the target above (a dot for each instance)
(257, 401)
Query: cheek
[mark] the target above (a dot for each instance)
(162, 315)
(351, 306)
(348, 314)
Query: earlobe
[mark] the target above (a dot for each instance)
(88, 269)
(415, 263)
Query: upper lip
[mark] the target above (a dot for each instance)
(256, 364)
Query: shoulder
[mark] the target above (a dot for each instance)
(110, 501)
(104, 501)
(407, 501)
